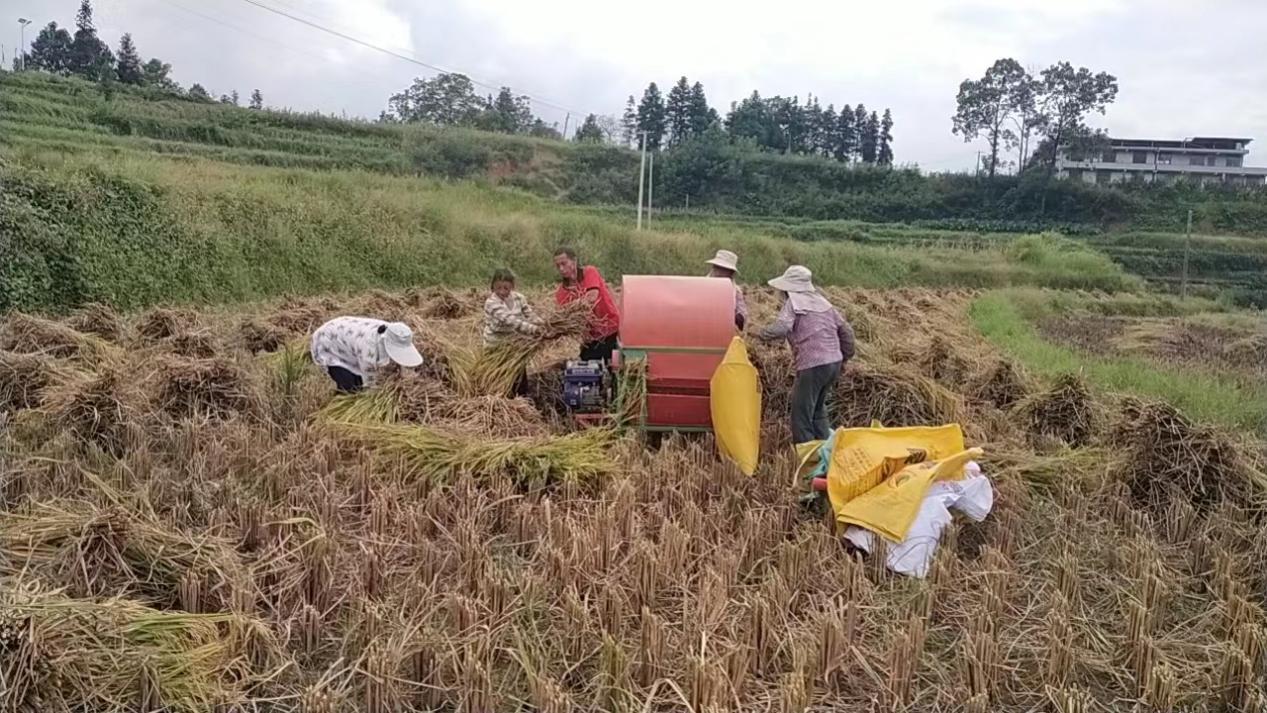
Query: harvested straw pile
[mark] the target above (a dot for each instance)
(531, 462)
(114, 550)
(297, 316)
(216, 388)
(545, 389)
(28, 334)
(96, 407)
(1167, 456)
(162, 323)
(256, 336)
(446, 305)
(631, 393)
(492, 371)
(894, 396)
(1001, 385)
(23, 377)
(192, 345)
(101, 320)
(76, 654)
(486, 415)
(1066, 412)
(941, 362)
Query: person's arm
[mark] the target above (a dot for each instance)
(741, 310)
(502, 316)
(845, 332)
(782, 326)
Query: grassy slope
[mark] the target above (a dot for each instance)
(1001, 317)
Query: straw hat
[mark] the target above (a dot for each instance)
(726, 260)
(796, 278)
(398, 342)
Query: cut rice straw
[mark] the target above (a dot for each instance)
(492, 370)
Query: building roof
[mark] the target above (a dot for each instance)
(1215, 143)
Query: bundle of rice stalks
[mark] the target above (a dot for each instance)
(23, 377)
(777, 373)
(1001, 385)
(631, 393)
(893, 396)
(95, 407)
(1069, 466)
(440, 455)
(161, 323)
(1167, 456)
(545, 389)
(118, 550)
(377, 405)
(445, 305)
(941, 362)
(216, 388)
(192, 345)
(492, 371)
(296, 316)
(257, 336)
(487, 415)
(75, 654)
(1066, 412)
(28, 334)
(101, 320)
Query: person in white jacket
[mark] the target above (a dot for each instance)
(353, 350)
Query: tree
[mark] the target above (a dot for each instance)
(610, 127)
(129, 69)
(987, 106)
(871, 138)
(508, 114)
(651, 116)
(702, 115)
(827, 131)
(445, 100)
(257, 99)
(1065, 96)
(199, 93)
(752, 119)
(629, 123)
(845, 142)
(860, 118)
(154, 74)
(51, 50)
(233, 97)
(590, 132)
(884, 156)
(90, 58)
(677, 112)
(542, 130)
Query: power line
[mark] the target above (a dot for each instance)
(413, 60)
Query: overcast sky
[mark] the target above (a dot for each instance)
(1185, 68)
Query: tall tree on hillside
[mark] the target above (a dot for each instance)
(860, 117)
(651, 116)
(845, 141)
(790, 121)
(129, 67)
(629, 124)
(677, 112)
(542, 130)
(509, 114)
(199, 93)
(884, 156)
(51, 50)
(871, 138)
(590, 132)
(827, 132)
(90, 58)
(445, 100)
(752, 119)
(702, 115)
(986, 107)
(1066, 96)
(257, 99)
(154, 74)
(813, 121)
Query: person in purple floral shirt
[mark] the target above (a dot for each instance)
(822, 341)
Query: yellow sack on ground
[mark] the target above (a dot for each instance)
(861, 458)
(735, 402)
(889, 508)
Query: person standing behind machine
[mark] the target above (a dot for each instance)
(822, 341)
(577, 282)
(725, 264)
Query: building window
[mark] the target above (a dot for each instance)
(1103, 176)
(1196, 160)
(1163, 159)
(1234, 161)
(1139, 157)
(1109, 156)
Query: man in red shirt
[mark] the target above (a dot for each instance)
(577, 283)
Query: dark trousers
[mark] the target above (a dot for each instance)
(600, 350)
(809, 402)
(346, 381)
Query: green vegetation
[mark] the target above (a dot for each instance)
(1001, 317)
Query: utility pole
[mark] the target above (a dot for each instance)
(650, 188)
(566, 117)
(1187, 249)
(642, 173)
(22, 23)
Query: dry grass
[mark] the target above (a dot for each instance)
(1066, 413)
(163, 323)
(450, 553)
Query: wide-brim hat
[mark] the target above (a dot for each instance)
(726, 260)
(796, 278)
(398, 342)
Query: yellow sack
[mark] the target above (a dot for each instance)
(889, 508)
(861, 458)
(735, 402)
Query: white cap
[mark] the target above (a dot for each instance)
(796, 278)
(398, 342)
(726, 260)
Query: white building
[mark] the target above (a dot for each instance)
(1207, 159)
